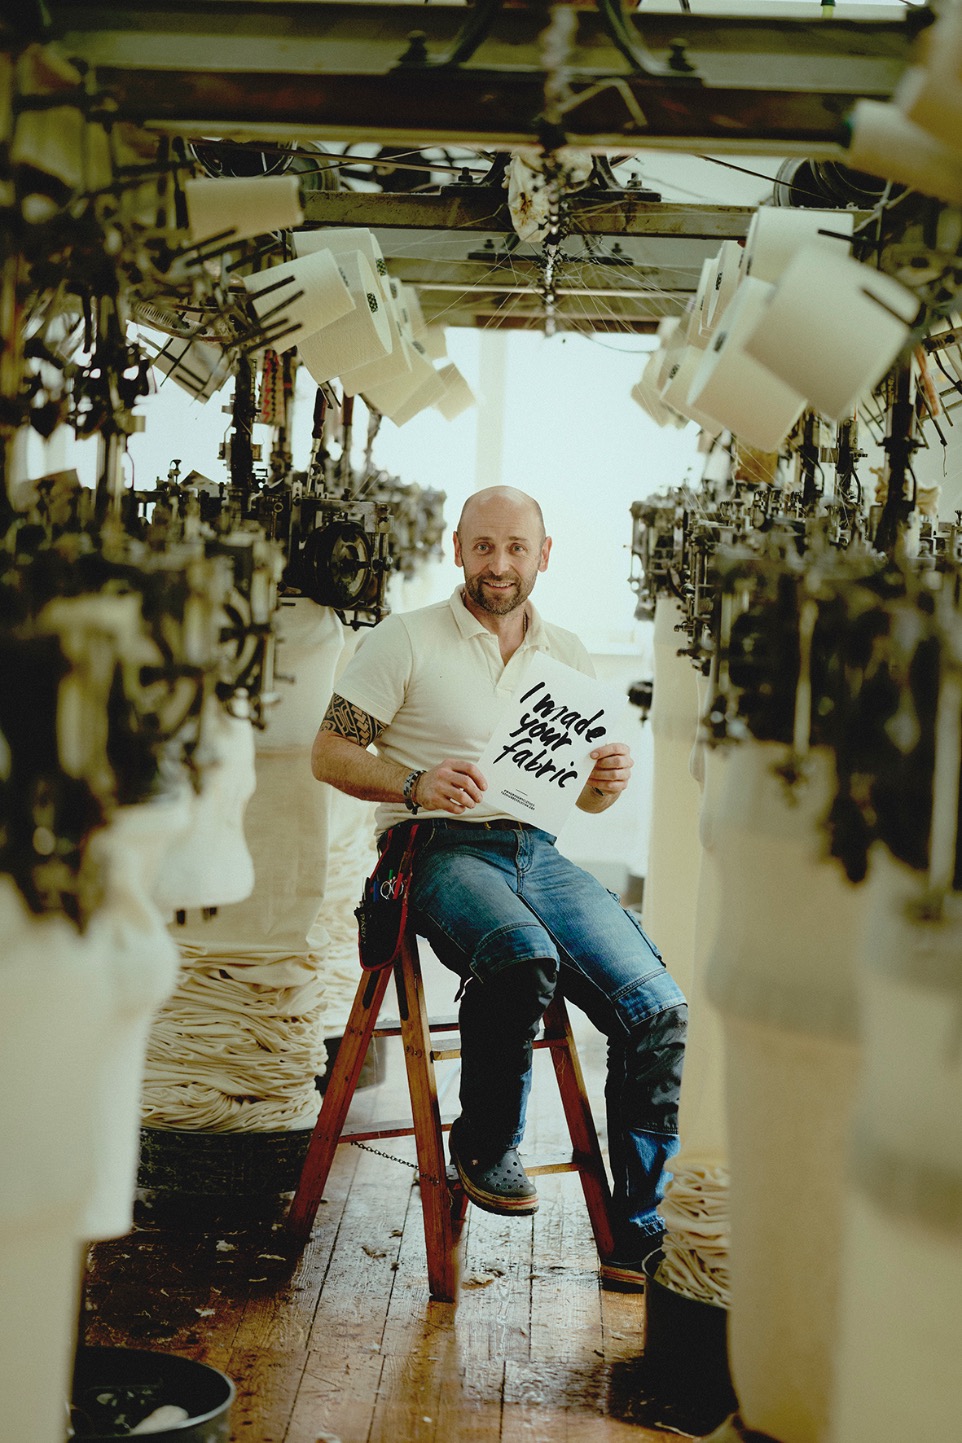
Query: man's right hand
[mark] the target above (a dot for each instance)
(452, 786)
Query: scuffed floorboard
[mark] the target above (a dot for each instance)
(340, 1340)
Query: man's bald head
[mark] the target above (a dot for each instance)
(501, 497)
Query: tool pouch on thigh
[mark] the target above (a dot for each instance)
(383, 909)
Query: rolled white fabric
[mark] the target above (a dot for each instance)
(832, 329)
(242, 207)
(361, 336)
(782, 976)
(778, 233)
(211, 864)
(141, 963)
(300, 297)
(671, 874)
(901, 1286)
(55, 1011)
(729, 384)
(885, 143)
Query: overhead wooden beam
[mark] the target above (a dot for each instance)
(308, 68)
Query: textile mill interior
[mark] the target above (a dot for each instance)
(311, 311)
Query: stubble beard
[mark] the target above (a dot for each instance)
(493, 604)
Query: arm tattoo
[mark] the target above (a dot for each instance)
(348, 721)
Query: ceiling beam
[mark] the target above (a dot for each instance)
(313, 69)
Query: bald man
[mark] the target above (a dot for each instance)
(496, 900)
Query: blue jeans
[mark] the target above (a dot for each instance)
(513, 918)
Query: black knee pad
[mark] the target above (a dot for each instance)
(653, 1058)
(521, 990)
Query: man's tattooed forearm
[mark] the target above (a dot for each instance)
(348, 721)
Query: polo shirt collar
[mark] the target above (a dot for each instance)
(469, 625)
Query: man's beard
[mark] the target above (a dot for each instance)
(494, 603)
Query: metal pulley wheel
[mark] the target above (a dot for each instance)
(338, 564)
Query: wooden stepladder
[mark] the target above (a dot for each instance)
(443, 1201)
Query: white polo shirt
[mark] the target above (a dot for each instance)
(435, 680)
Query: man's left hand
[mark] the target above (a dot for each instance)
(612, 770)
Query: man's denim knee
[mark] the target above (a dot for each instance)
(654, 1053)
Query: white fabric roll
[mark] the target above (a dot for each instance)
(309, 643)
(782, 975)
(832, 329)
(129, 938)
(300, 297)
(671, 874)
(778, 233)
(363, 335)
(743, 395)
(243, 207)
(211, 865)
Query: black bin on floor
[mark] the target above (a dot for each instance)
(116, 1388)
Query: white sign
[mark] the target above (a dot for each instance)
(539, 754)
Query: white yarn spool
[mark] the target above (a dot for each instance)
(646, 394)
(362, 336)
(341, 240)
(403, 398)
(675, 391)
(457, 396)
(433, 340)
(777, 234)
(832, 329)
(300, 297)
(930, 100)
(193, 365)
(885, 143)
(736, 389)
(728, 274)
(242, 207)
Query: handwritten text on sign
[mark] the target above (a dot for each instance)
(538, 757)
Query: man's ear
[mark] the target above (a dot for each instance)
(545, 553)
(457, 548)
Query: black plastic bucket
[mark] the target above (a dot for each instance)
(686, 1341)
(114, 1389)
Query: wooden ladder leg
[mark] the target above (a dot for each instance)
(442, 1213)
(581, 1126)
(337, 1099)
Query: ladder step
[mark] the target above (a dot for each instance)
(539, 1166)
(435, 1024)
(393, 1127)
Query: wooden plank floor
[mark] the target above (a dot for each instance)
(340, 1343)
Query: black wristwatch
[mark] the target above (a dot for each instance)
(410, 782)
